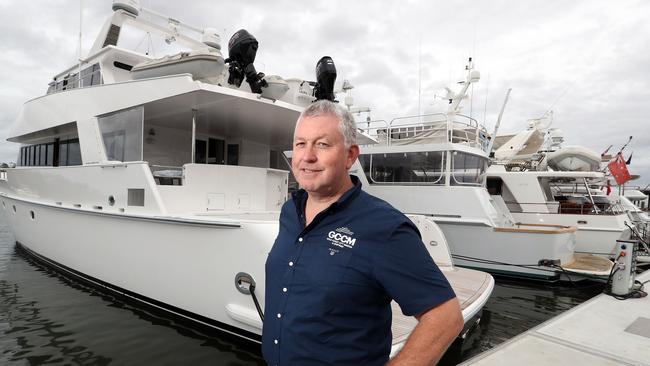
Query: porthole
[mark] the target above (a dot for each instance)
(4, 205)
(111, 200)
(32, 214)
(14, 206)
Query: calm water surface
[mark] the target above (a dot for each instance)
(47, 319)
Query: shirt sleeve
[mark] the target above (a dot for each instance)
(407, 272)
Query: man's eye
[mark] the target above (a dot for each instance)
(322, 144)
(299, 144)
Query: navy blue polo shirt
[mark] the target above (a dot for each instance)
(329, 285)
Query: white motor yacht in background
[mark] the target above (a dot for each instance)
(546, 197)
(162, 179)
(542, 181)
(435, 165)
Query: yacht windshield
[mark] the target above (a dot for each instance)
(122, 134)
(467, 169)
(404, 167)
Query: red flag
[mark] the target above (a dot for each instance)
(619, 169)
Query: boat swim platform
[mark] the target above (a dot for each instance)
(600, 331)
(589, 264)
(468, 285)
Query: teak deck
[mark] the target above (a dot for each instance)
(468, 285)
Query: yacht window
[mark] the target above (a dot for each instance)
(135, 197)
(43, 157)
(122, 134)
(123, 66)
(74, 152)
(49, 154)
(63, 153)
(69, 153)
(32, 155)
(37, 158)
(467, 169)
(114, 143)
(406, 167)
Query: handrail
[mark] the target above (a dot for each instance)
(565, 208)
(446, 127)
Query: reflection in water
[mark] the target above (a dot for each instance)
(34, 337)
(516, 306)
(46, 318)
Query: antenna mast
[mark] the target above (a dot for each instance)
(419, 73)
(80, 27)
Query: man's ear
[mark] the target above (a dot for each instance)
(353, 154)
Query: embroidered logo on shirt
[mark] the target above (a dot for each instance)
(342, 237)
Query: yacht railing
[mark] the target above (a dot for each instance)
(563, 207)
(428, 128)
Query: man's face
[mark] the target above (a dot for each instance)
(320, 161)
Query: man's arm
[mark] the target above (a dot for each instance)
(436, 330)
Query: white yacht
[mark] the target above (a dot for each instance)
(162, 179)
(435, 165)
(542, 181)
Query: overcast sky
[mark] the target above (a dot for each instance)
(586, 60)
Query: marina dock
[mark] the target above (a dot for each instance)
(601, 331)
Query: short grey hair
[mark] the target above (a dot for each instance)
(324, 107)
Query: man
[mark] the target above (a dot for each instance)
(339, 259)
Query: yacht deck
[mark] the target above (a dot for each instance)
(468, 285)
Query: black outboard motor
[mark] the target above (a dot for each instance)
(325, 78)
(242, 49)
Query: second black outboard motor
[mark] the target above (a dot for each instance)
(242, 49)
(325, 78)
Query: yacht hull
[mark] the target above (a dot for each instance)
(183, 268)
(512, 253)
(596, 234)
(187, 268)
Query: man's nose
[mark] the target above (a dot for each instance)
(309, 154)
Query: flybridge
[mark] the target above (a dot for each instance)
(101, 67)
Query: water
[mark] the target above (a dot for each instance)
(48, 319)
